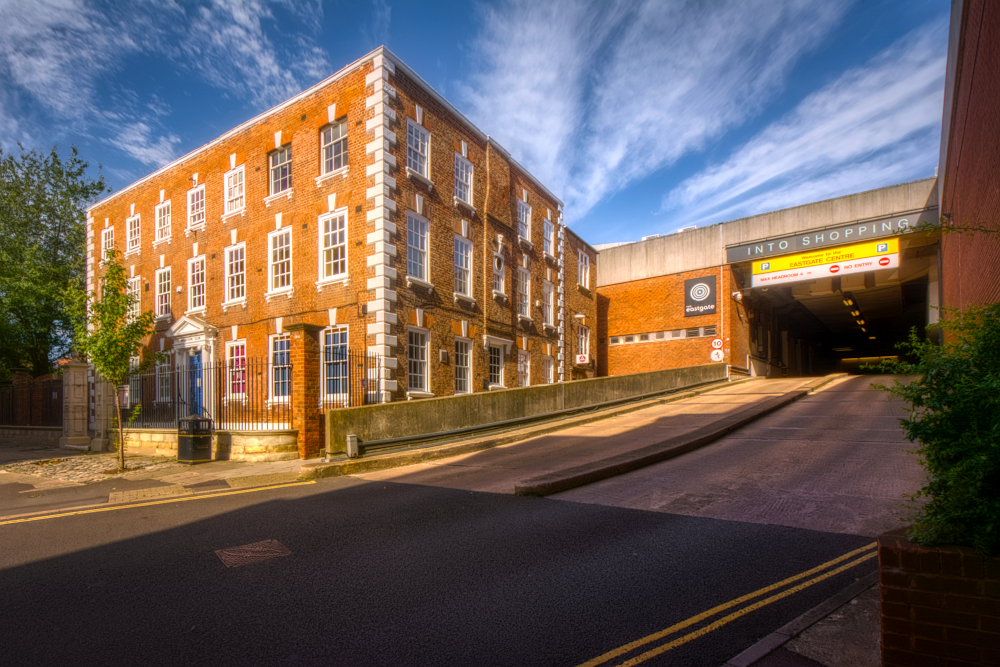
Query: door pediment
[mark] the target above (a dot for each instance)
(191, 326)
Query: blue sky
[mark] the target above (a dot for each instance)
(643, 116)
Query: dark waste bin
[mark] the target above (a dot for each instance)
(194, 439)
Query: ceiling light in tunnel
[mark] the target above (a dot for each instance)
(871, 338)
(856, 313)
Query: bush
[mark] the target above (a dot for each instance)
(954, 416)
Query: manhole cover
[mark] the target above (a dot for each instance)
(252, 553)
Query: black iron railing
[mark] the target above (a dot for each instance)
(34, 403)
(348, 379)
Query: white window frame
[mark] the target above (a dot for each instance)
(272, 395)
(412, 363)
(135, 288)
(337, 217)
(133, 225)
(548, 304)
(279, 175)
(548, 369)
(342, 396)
(413, 252)
(583, 269)
(196, 207)
(416, 135)
(107, 242)
(582, 339)
(523, 220)
(231, 276)
(233, 370)
(463, 180)
(162, 279)
(236, 202)
(332, 145)
(523, 293)
(162, 217)
(498, 274)
(548, 238)
(195, 286)
(164, 392)
(279, 268)
(523, 368)
(495, 379)
(463, 266)
(466, 369)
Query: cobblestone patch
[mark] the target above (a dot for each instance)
(135, 495)
(88, 468)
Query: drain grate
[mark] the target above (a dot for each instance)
(252, 553)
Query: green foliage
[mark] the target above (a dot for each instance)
(954, 415)
(107, 333)
(42, 250)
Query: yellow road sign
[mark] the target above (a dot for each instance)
(827, 256)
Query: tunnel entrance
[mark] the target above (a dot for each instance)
(808, 315)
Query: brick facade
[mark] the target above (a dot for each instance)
(970, 165)
(940, 605)
(376, 99)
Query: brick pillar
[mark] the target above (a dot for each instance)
(306, 415)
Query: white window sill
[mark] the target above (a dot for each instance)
(524, 318)
(276, 293)
(411, 281)
(499, 294)
(418, 393)
(550, 257)
(549, 326)
(341, 279)
(496, 387)
(165, 239)
(136, 251)
(464, 297)
(461, 203)
(322, 178)
(272, 402)
(420, 178)
(235, 398)
(233, 304)
(524, 241)
(195, 311)
(194, 228)
(583, 288)
(162, 318)
(284, 193)
(232, 214)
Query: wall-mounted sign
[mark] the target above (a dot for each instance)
(699, 296)
(827, 262)
(716, 355)
(717, 343)
(582, 359)
(831, 236)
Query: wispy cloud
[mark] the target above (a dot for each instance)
(591, 97)
(140, 142)
(376, 30)
(872, 126)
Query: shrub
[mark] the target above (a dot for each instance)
(954, 416)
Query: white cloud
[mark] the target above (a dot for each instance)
(874, 125)
(138, 141)
(591, 97)
(376, 30)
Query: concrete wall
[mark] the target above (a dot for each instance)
(706, 246)
(30, 435)
(252, 446)
(393, 420)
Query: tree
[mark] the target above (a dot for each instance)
(42, 250)
(110, 334)
(954, 415)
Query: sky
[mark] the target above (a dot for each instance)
(642, 116)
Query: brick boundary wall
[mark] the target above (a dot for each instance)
(940, 605)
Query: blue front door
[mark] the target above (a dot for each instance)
(195, 391)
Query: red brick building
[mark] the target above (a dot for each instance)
(365, 214)
(969, 168)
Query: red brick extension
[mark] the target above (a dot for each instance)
(940, 605)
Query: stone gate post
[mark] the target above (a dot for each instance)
(74, 379)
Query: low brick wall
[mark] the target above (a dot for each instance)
(30, 435)
(406, 418)
(252, 446)
(940, 605)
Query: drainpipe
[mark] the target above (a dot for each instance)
(486, 246)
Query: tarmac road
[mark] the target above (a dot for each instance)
(383, 572)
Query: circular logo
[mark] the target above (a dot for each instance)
(716, 343)
(700, 292)
(884, 261)
(716, 355)
(834, 268)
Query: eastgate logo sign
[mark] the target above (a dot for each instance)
(831, 236)
(699, 296)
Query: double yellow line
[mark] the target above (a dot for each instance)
(863, 554)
